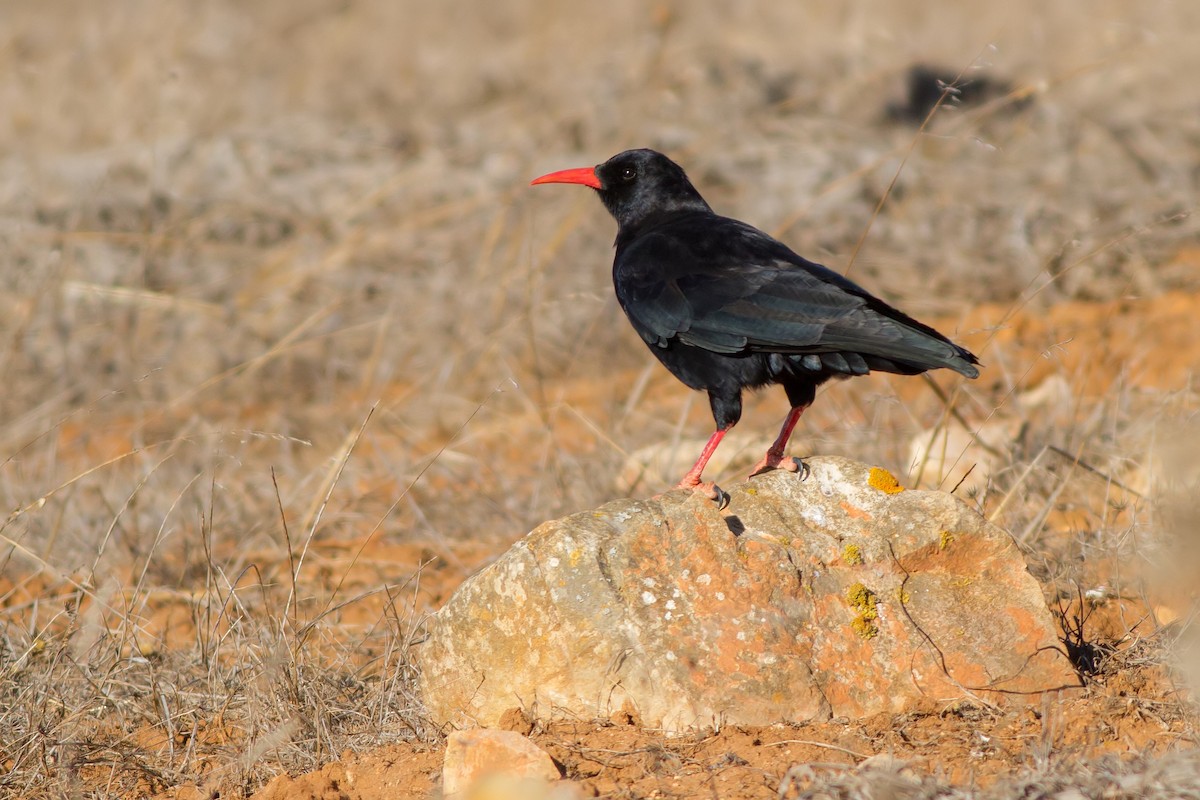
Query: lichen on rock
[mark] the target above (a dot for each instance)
(864, 601)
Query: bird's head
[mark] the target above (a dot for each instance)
(635, 185)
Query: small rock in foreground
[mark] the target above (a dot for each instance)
(476, 759)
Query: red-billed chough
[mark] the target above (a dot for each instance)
(726, 307)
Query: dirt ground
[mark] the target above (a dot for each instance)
(290, 349)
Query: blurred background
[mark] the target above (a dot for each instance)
(274, 278)
(242, 224)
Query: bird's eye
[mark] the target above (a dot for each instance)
(628, 174)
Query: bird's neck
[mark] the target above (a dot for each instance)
(635, 221)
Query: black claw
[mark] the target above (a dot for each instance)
(722, 498)
(803, 470)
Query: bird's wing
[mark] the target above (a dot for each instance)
(755, 295)
(766, 308)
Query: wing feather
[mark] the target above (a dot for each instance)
(729, 288)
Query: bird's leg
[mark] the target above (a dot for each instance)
(774, 458)
(726, 405)
(692, 479)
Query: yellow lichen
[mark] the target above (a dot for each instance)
(852, 555)
(884, 481)
(946, 540)
(864, 601)
(864, 627)
(861, 598)
(903, 596)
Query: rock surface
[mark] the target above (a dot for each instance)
(840, 595)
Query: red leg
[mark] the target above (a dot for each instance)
(774, 458)
(692, 479)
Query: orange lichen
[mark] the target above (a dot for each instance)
(884, 481)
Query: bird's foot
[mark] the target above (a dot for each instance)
(707, 489)
(790, 464)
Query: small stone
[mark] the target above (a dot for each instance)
(499, 756)
(506, 787)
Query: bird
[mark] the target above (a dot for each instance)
(726, 307)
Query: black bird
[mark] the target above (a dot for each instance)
(726, 307)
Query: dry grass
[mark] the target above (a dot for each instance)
(288, 347)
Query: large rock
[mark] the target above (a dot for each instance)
(839, 595)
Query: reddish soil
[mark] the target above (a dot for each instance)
(963, 744)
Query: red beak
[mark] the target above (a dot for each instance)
(582, 175)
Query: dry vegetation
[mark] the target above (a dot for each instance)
(289, 349)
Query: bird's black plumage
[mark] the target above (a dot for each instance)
(726, 307)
